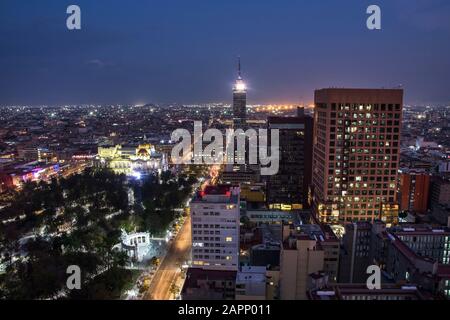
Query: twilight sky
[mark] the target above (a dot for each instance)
(139, 51)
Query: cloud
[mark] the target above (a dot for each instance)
(97, 63)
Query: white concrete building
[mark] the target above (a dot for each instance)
(215, 228)
(136, 245)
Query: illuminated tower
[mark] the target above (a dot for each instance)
(239, 101)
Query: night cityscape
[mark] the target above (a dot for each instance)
(244, 152)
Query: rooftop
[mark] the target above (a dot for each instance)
(218, 194)
(194, 275)
(422, 229)
(251, 274)
(344, 291)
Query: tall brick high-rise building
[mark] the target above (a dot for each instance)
(414, 188)
(356, 154)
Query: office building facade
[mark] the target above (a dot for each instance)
(356, 154)
(290, 186)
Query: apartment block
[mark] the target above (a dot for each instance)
(215, 228)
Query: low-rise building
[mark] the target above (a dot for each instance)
(209, 285)
(307, 248)
(251, 283)
(401, 264)
(426, 240)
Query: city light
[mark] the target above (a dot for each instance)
(136, 175)
(240, 86)
(159, 165)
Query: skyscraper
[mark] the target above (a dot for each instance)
(241, 156)
(356, 154)
(289, 187)
(239, 101)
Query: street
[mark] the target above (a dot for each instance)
(169, 272)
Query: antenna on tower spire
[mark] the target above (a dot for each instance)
(239, 67)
